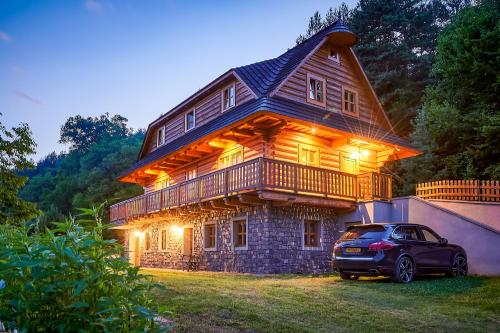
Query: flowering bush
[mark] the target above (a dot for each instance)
(71, 279)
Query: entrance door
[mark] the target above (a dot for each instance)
(188, 241)
(134, 244)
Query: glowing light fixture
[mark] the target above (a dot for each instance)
(355, 155)
(138, 233)
(365, 153)
(313, 130)
(177, 230)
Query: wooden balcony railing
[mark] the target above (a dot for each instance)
(259, 174)
(465, 190)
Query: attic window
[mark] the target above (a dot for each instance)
(334, 55)
(160, 136)
(228, 97)
(316, 90)
(190, 120)
(350, 102)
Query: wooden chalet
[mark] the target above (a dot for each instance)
(250, 172)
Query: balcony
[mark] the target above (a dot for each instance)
(258, 175)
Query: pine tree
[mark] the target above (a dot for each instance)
(459, 125)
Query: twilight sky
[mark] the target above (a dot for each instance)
(135, 58)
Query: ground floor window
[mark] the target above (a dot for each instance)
(240, 228)
(311, 233)
(147, 241)
(163, 239)
(209, 235)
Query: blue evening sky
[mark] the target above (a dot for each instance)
(134, 58)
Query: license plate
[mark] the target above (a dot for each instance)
(352, 250)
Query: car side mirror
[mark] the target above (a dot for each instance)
(443, 241)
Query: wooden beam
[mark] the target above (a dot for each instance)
(207, 207)
(193, 153)
(308, 200)
(217, 144)
(250, 199)
(243, 132)
(219, 205)
(204, 149)
(229, 138)
(234, 202)
(183, 158)
(169, 161)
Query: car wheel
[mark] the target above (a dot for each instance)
(459, 268)
(404, 270)
(346, 276)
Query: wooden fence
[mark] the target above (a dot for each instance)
(466, 190)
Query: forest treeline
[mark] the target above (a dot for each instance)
(433, 64)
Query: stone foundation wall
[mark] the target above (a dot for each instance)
(275, 241)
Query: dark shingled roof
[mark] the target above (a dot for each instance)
(263, 77)
(279, 106)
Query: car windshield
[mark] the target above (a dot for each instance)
(370, 232)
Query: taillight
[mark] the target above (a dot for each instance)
(336, 247)
(382, 245)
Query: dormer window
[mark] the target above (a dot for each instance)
(334, 55)
(350, 102)
(190, 120)
(160, 136)
(228, 97)
(316, 87)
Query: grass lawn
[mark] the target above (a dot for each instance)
(218, 302)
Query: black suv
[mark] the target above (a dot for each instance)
(398, 250)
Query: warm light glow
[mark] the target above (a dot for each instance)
(313, 130)
(365, 153)
(177, 230)
(355, 155)
(358, 142)
(138, 234)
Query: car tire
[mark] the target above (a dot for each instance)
(345, 276)
(459, 267)
(404, 270)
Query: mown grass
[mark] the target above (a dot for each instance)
(218, 302)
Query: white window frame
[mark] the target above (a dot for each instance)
(320, 236)
(150, 232)
(334, 55)
(160, 245)
(193, 111)
(314, 101)
(356, 101)
(239, 248)
(229, 86)
(301, 147)
(191, 173)
(230, 153)
(158, 143)
(214, 248)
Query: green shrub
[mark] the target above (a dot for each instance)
(71, 279)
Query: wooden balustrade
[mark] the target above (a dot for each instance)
(259, 174)
(465, 190)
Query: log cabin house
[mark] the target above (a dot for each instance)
(250, 173)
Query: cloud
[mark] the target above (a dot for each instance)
(93, 6)
(27, 97)
(4, 36)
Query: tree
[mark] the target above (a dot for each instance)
(15, 147)
(396, 47)
(316, 23)
(85, 177)
(81, 132)
(459, 125)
